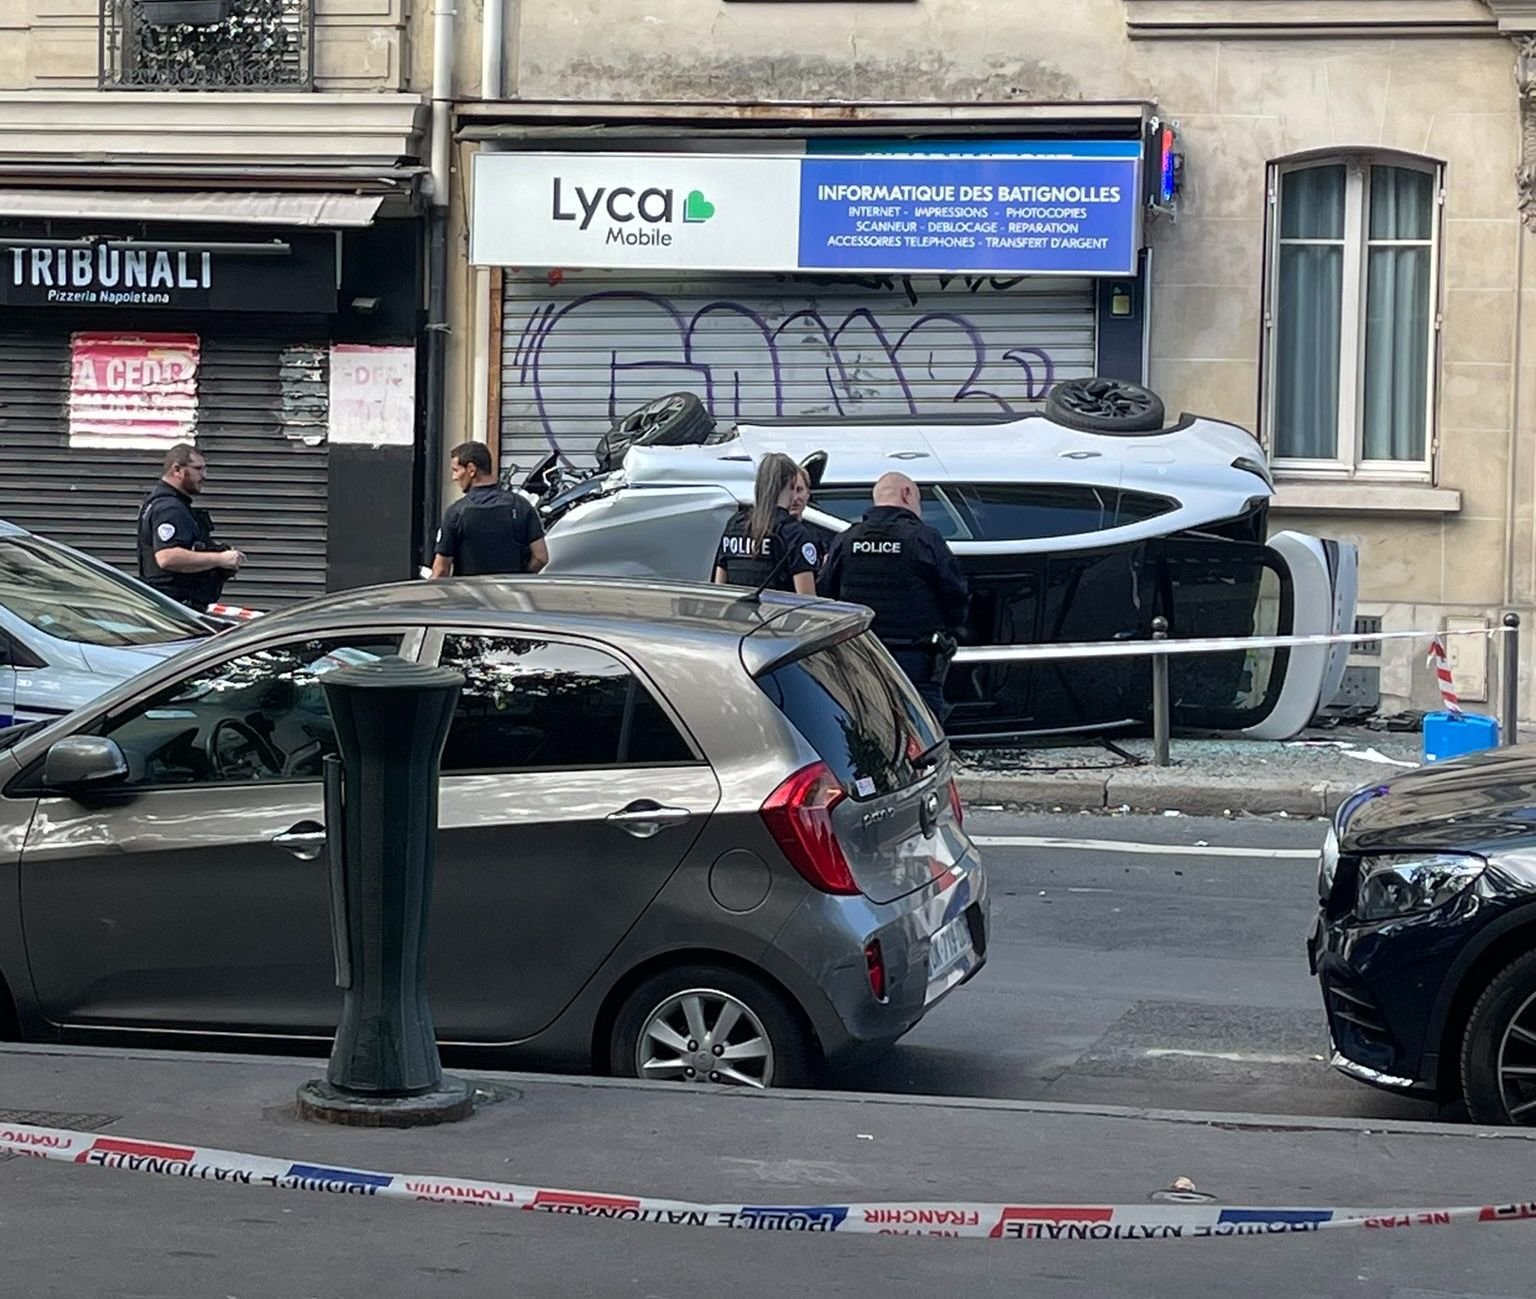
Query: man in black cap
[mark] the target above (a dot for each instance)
(177, 552)
(488, 530)
(901, 568)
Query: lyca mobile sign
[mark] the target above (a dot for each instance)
(1017, 208)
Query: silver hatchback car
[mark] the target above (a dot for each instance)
(686, 833)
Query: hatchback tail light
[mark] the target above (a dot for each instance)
(874, 963)
(799, 816)
(955, 805)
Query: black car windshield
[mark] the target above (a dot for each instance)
(62, 595)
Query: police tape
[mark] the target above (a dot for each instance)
(233, 611)
(1099, 649)
(1033, 1222)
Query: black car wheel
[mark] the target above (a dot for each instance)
(1498, 1054)
(697, 1023)
(1105, 406)
(678, 419)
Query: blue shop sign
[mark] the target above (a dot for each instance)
(1026, 207)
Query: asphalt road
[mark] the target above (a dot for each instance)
(1141, 976)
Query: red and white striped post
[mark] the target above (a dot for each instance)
(1443, 677)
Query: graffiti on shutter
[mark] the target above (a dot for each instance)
(580, 350)
(304, 387)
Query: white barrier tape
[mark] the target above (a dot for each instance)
(233, 611)
(959, 1219)
(1099, 649)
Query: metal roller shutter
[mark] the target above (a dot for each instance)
(582, 348)
(261, 422)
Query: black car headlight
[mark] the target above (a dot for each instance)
(1399, 886)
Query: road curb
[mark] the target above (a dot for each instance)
(1155, 789)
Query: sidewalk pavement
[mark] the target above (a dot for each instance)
(68, 1230)
(1306, 777)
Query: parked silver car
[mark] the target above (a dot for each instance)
(72, 626)
(684, 834)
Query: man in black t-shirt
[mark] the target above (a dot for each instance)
(489, 530)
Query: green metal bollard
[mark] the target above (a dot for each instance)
(391, 720)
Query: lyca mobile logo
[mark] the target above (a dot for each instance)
(625, 206)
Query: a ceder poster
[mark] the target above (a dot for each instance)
(132, 390)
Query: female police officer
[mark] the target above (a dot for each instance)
(766, 544)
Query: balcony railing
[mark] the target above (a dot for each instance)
(207, 44)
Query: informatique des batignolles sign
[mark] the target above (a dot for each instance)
(132, 390)
(1016, 208)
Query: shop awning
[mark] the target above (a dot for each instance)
(253, 207)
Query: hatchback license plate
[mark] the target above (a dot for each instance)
(948, 946)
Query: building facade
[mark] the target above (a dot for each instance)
(211, 231)
(1344, 267)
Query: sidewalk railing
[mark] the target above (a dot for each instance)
(1160, 648)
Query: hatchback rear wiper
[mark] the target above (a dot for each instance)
(929, 757)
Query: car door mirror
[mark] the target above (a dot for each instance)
(80, 761)
(815, 465)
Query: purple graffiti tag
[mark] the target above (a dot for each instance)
(767, 358)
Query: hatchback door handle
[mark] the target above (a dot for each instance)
(644, 818)
(306, 840)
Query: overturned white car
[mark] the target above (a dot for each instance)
(1079, 524)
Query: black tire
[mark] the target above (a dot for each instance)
(1511, 996)
(1105, 406)
(611, 448)
(678, 419)
(795, 1058)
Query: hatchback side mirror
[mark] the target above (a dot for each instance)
(79, 761)
(815, 465)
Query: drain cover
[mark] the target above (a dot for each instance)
(58, 1119)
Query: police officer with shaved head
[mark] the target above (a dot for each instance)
(900, 567)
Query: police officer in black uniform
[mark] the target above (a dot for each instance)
(765, 544)
(900, 567)
(177, 552)
(488, 530)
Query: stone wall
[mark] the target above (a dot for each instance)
(53, 44)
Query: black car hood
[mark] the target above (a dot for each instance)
(1482, 801)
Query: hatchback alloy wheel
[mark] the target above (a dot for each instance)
(705, 1036)
(708, 1024)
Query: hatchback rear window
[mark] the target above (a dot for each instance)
(858, 710)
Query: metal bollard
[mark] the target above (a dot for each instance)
(1160, 718)
(391, 720)
(1509, 681)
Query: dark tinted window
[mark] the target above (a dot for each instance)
(534, 704)
(1011, 511)
(258, 717)
(857, 709)
(939, 510)
(1022, 511)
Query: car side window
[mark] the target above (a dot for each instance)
(533, 704)
(258, 717)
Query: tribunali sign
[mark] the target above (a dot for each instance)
(109, 276)
(296, 274)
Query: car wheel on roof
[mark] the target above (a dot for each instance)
(675, 420)
(700, 1023)
(1105, 406)
(1498, 1054)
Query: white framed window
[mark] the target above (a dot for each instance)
(1351, 317)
